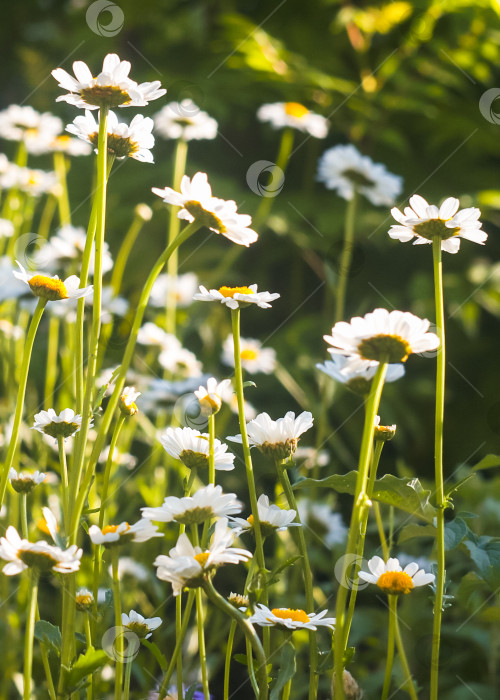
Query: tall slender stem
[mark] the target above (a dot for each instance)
(30, 634)
(285, 150)
(128, 673)
(124, 253)
(393, 602)
(117, 606)
(409, 685)
(61, 168)
(179, 639)
(64, 480)
(438, 466)
(52, 364)
(23, 499)
(307, 576)
(173, 231)
(345, 258)
(211, 454)
(360, 503)
(23, 378)
(249, 632)
(202, 651)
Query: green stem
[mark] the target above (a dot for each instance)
(30, 633)
(28, 348)
(107, 470)
(61, 168)
(82, 488)
(118, 643)
(409, 685)
(211, 455)
(64, 481)
(345, 259)
(173, 231)
(227, 665)
(178, 629)
(393, 613)
(179, 639)
(88, 639)
(360, 503)
(52, 364)
(285, 150)
(124, 252)
(381, 533)
(202, 651)
(307, 577)
(46, 217)
(379, 445)
(128, 673)
(23, 497)
(249, 632)
(438, 466)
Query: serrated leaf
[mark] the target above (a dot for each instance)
(485, 553)
(487, 462)
(287, 670)
(454, 533)
(413, 530)
(85, 665)
(155, 650)
(401, 492)
(48, 634)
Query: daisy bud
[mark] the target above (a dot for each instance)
(239, 601)
(383, 433)
(127, 404)
(84, 600)
(23, 482)
(143, 212)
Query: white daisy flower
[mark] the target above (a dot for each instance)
(184, 120)
(424, 222)
(66, 424)
(189, 566)
(23, 123)
(133, 141)
(151, 334)
(180, 361)
(218, 215)
(211, 395)
(10, 331)
(139, 625)
(52, 288)
(381, 335)
(121, 459)
(234, 297)
(358, 380)
(36, 182)
(277, 438)
(344, 169)
(289, 619)
(321, 519)
(192, 449)
(181, 288)
(272, 518)
(127, 401)
(294, 115)
(41, 556)
(67, 246)
(6, 228)
(392, 579)
(254, 358)
(112, 535)
(208, 502)
(24, 482)
(69, 146)
(111, 88)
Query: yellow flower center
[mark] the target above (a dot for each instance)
(250, 519)
(113, 528)
(63, 139)
(395, 582)
(83, 598)
(295, 109)
(249, 354)
(231, 291)
(385, 348)
(51, 288)
(105, 95)
(288, 614)
(202, 558)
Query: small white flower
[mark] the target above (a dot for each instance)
(357, 377)
(289, 619)
(191, 447)
(211, 396)
(84, 600)
(322, 520)
(71, 147)
(10, 331)
(66, 424)
(272, 518)
(184, 120)
(34, 182)
(383, 433)
(180, 362)
(24, 482)
(127, 401)
(424, 222)
(277, 438)
(112, 535)
(219, 215)
(67, 246)
(207, 502)
(254, 358)
(26, 124)
(344, 169)
(294, 115)
(139, 625)
(6, 228)
(392, 579)
(112, 87)
(52, 288)
(123, 140)
(181, 288)
(41, 556)
(381, 336)
(234, 297)
(151, 334)
(188, 566)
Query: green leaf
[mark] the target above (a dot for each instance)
(287, 670)
(487, 462)
(85, 665)
(458, 485)
(240, 658)
(413, 530)
(159, 656)
(485, 553)
(249, 383)
(454, 533)
(102, 391)
(48, 634)
(401, 492)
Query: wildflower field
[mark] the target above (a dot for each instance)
(249, 312)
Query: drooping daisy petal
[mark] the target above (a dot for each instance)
(295, 116)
